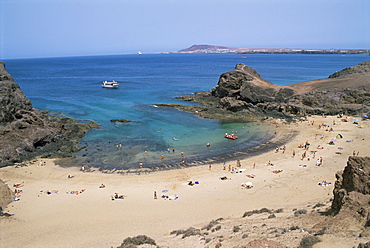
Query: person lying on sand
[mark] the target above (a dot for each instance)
(324, 183)
(224, 178)
(247, 185)
(102, 186)
(116, 196)
(18, 185)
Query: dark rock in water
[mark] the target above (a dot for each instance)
(244, 94)
(26, 132)
(352, 191)
(121, 120)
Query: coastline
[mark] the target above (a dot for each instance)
(92, 219)
(280, 137)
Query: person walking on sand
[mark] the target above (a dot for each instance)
(155, 195)
(293, 153)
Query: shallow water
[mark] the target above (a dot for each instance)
(71, 87)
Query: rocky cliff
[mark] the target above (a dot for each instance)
(346, 92)
(244, 94)
(352, 191)
(26, 132)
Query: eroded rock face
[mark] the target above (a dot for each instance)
(12, 99)
(347, 92)
(26, 132)
(5, 195)
(352, 190)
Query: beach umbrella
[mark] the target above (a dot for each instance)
(249, 183)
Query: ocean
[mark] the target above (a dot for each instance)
(70, 86)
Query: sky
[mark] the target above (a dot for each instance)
(56, 28)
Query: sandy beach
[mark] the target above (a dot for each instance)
(57, 211)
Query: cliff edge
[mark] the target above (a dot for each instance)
(26, 132)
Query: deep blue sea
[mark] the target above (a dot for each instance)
(70, 87)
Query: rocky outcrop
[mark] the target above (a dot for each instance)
(362, 68)
(26, 132)
(243, 92)
(5, 196)
(352, 191)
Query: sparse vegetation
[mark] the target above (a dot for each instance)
(212, 224)
(138, 240)
(262, 210)
(217, 228)
(191, 231)
(271, 216)
(309, 241)
(319, 205)
(299, 212)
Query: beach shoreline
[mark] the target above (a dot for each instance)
(274, 137)
(89, 217)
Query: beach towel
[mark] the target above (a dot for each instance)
(173, 197)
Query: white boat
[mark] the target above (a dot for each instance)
(112, 85)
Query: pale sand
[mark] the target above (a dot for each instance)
(92, 219)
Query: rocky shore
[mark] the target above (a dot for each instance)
(243, 95)
(26, 132)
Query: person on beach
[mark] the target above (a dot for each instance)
(293, 154)
(224, 166)
(155, 195)
(83, 169)
(254, 165)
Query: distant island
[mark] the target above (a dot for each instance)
(223, 49)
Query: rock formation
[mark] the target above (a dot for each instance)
(243, 92)
(347, 91)
(352, 191)
(5, 196)
(26, 132)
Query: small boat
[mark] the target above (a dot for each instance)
(230, 136)
(111, 85)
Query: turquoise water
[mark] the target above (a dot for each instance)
(71, 87)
